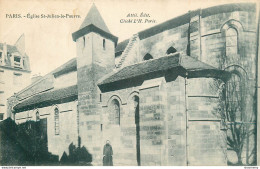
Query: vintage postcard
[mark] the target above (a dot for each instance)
(129, 83)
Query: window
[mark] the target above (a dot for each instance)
(1, 58)
(234, 98)
(104, 44)
(17, 61)
(84, 41)
(56, 121)
(37, 116)
(147, 57)
(171, 50)
(1, 116)
(231, 41)
(116, 111)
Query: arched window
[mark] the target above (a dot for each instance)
(115, 108)
(171, 50)
(148, 57)
(56, 121)
(37, 114)
(104, 44)
(234, 98)
(231, 42)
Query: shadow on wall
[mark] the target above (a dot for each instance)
(26, 145)
(77, 156)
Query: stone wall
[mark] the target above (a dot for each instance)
(176, 122)
(68, 130)
(206, 141)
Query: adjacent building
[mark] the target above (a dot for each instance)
(14, 72)
(170, 95)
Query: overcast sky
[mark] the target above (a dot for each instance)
(49, 42)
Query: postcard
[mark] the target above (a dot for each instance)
(129, 83)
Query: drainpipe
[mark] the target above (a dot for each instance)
(186, 115)
(257, 84)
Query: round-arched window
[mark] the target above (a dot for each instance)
(115, 108)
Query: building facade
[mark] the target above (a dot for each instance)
(14, 72)
(170, 95)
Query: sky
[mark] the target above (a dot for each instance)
(48, 42)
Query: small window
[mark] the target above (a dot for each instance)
(171, 50)
(17, 59)
(84, 41)
(56, 121)
(104, 44)
(147, 57)
(1, 116)
(37, 116)
(115, 111)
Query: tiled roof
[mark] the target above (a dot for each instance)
(156, 65)
(65, 68)
(193, 64)
(48, 98)
(121, 46)
(94, 17)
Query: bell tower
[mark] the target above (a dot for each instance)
(95, 58)
(95, 43)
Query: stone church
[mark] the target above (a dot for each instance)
(167, 96)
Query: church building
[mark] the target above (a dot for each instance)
(160, 97)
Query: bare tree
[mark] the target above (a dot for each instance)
(236, 119)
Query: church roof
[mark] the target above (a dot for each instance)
(185, 18)
(157, 65)
(94, 23)
(49, 98)
(121, 47)
(94, 17)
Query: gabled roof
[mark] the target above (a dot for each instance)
(157, 65)
(48, 98)
(94, 17)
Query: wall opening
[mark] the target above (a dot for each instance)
(137, 124)
(56, 121)
(115, 111)
(104, 44)
(147, 57)
(171, 50)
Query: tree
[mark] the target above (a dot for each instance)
(237, 120)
